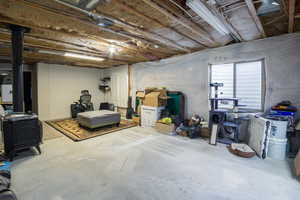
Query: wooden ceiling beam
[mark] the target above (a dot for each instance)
(292, 4)
(151, 37)
(157, 22)
(193, 27)
(160, 52)
(90, 43)
(39, 57)
(24, 13)
(276, 19)
(254, 16)
(284, 7)
(45, 44)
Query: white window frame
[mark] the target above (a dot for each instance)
(263, 82)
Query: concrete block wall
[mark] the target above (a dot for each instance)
(189, 73)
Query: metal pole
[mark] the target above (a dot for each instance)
(17, 40)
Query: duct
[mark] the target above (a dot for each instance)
(268, 6)
(92, 4)
(101, 21)
(84, 4)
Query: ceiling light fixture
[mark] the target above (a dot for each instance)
(73, 55)
(83, 57)
(275, 3)
(203, 11)
(4, 74)
(112, 50)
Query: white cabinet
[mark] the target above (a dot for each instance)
(6, 93)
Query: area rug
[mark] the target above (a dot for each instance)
(50, 133)
(71, 128)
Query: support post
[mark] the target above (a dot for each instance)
(17, 40)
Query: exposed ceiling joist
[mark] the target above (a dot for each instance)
(51, 58)
(234, 33)
(284, 7)
(25, 14)
(256, 19)
(147, 18)
(193, 27)
(292, 4)
(45, 44)
(275, 20)
(155, 38)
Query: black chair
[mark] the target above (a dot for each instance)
(86, 100)
(107, 106)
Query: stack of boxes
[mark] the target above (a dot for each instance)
(152, 102)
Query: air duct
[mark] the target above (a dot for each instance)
(204, 12)
(268, 6)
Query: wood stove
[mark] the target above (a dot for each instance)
(21, 131)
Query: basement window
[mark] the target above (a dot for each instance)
(242, 80)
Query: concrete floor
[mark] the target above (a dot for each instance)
(140, 164)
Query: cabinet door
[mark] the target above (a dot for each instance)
(6, 91)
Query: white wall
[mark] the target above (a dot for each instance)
(189, 73)
(60, 85)
(119, 85)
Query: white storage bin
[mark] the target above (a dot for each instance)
(149, 115)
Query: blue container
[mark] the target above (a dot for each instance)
(5, 166)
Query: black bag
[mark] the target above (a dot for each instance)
(5, 173)
(4, 184)
(7, 195)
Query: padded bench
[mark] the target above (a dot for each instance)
(97, 119)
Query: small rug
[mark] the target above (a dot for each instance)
(71, 128)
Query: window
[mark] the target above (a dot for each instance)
(242, 80)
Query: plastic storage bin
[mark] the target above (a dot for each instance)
(149, 115)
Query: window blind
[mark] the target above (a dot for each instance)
(248, 84)
(241, 80)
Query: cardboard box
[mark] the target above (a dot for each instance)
(156, 98)
(164, 128)
(205, 132)
(297, 165)
(137, 120)
(140, 94)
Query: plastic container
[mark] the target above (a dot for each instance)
(150, 115)
(277, 148)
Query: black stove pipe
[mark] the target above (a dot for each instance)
(17, 40)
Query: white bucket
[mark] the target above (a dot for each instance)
(277, 148)
(278, 129)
